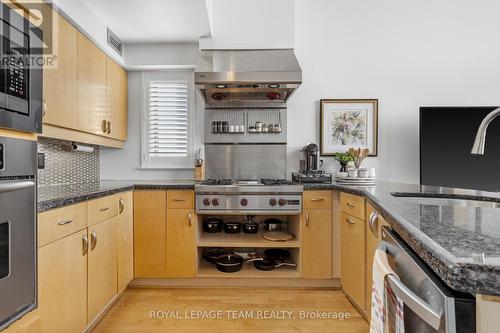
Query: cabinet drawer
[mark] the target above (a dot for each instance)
(58, 223)
(353, 205)
(102, 209)
(180, 199)
(317, 199)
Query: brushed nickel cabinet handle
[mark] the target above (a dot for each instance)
(85, 245)
(104, 126)
(190, 217)
(93, 240)
(44, 108)
(64, 222)
(307, 219)
(103, 209)
(373, 224)
(317, 199)
(349, 220)
(350, 205)
(121, 205)
(109, 127)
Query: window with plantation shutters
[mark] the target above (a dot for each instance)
(167, 121)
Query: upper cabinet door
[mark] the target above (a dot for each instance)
(59, 81)
(91, 71)
(117, 100)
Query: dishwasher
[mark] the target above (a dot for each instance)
(429, 305)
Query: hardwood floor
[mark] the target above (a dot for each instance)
(133, 312)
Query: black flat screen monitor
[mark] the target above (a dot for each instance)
(446, 138)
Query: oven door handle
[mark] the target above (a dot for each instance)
(414, 302)
(15, 186)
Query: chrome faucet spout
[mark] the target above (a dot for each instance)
(480, 141)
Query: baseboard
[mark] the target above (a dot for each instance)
(243, 282)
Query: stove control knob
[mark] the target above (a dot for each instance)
(273, 202)
(206, 202)
(244, 202)
(281, 202)
(215, 202)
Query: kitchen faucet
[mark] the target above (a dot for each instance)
(479, 142)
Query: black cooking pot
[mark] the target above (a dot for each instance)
(277, 254)
(231, 263)
(250, 228)
(270, 264)
(212, 224)
(212, 253)
(272, 224)
(232, 227)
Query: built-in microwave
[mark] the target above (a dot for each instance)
(20, 73)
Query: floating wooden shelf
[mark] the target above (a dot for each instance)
(206, 269)
(241, 239)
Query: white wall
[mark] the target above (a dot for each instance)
(91, 24)
(405, 53)
(140, 56)
(124, 164)
(255, 24)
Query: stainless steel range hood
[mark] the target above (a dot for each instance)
(267, 76)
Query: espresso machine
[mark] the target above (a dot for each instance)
(310, 167)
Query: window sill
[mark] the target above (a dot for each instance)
(164, 168)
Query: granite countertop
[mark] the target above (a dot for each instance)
(460, 244)
(51, 197)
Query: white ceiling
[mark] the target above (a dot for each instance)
(135, 21)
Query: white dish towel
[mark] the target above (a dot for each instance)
(387, 309)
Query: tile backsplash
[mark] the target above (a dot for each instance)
(64, 166)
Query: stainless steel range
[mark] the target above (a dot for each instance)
(266, 196)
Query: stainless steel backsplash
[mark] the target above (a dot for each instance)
(64, 166)
(245, 161)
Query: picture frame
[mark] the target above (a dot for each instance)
(348, 123)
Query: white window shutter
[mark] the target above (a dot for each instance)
(167, 119)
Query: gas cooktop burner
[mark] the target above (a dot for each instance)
(269, 182)
(217, 182)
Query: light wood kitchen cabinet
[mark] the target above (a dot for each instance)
(58, 223)
(117, 100)
(353, 254)
(59, 81)
(181, 243)
(91, 82)
(316, 233)
(102, 265)
(150, 234)
(62, 284)
(125, 240)
(372, 240)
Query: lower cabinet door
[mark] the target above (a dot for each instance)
(125, 241)
(102, 265)
(181, 247)
(371, 246)
(316, 244)
(62, 284)
(353, 252)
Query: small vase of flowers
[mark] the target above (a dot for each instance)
(343, 159)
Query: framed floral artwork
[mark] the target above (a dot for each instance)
(348, 123)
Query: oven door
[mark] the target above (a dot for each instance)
(17, 250)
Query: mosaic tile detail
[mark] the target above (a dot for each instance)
(65, 166)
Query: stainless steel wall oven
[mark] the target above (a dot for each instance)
(17, 229)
